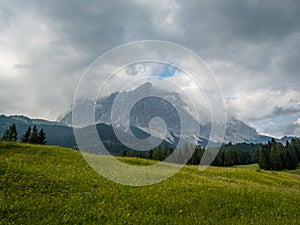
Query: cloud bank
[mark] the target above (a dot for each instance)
(252, 47)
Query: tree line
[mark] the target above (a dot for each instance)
(270, 156)
(187, 154)
(32, 136)
(275, 156)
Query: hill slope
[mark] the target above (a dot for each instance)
(61, 135)
(50, 185)
(56, 133)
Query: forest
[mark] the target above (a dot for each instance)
(270, 156)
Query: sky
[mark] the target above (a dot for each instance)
(253, 48)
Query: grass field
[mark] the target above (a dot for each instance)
(51, 185)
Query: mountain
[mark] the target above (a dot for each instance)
(142, 112)
(60, 134)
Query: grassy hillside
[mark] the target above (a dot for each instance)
(50, 185)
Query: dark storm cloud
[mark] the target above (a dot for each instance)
(96, 26)
(250, 34)
(279, 110)
(251, 45)
(232, 21)
(262, 20)
(292, 129)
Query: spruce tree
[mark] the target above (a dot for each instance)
(42, 137)
(34, 136)
(13, 132)
(291, 158)
(5, 136)
(196, 157)
(149, 154)
(157, 154)
(10, 134)
(166, 151)
(264, 157)
(275, 159)
(295, 142)
(122, 153)
(25, 137)
(130, 153)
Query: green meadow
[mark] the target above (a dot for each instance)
(52, 185)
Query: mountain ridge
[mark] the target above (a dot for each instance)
(59, 134)
(236, 130)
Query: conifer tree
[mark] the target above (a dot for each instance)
(291, 158)
(42, 137)
(157, 153)
(34, 136)
(25, 137)
(11, 133)
(296, 143)
(5, 136)
(264, 157)
(275, 159)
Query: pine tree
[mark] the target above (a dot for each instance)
(122, 153)
(157, 153)
(291, 158)
(25, 137)
(5, 136)
(130, 153)
(149, 154)
(166, 152)
(42, 137)
(11, 133)
(264, 157)
(275, 159)
(296, 144)
(34, 136)
(228, 156)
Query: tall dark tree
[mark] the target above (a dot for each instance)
(11, 133)
(291, 158)
(275, 159)
(122, 153)
(42, 137)
(5, 136)
(157, 155)
(34, 136)
(166, 151)
(196, 157)
(130, 153)
(26, 136)
(264, 157)
(149, 154)
(296, 143)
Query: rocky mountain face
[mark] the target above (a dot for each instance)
(139, 120)
(142, 112)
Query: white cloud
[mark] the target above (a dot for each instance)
(46, 46)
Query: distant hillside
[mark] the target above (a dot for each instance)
(57, 133)
(62, 135)
(52, 185)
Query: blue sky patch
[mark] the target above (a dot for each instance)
(168, 71)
